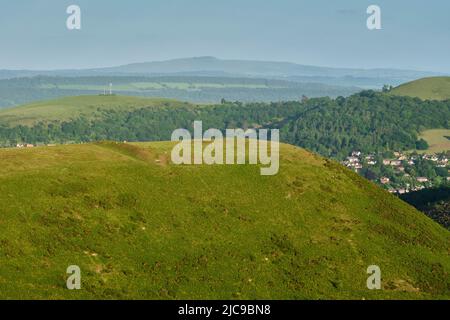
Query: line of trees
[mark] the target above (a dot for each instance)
(368, 121)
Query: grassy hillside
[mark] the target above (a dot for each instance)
(434, 88)
(438, 140)
(68, 108)
(140, 227)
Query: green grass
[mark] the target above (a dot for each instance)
(140, 227)
(438, 139)
(73, 107)
(434, 88)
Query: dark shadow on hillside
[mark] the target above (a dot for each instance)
(435, 203)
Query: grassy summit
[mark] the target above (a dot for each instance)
(434, 88)
(140, 227)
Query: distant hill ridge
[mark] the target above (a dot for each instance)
(252, 67)
(221, 67)
(201, 80)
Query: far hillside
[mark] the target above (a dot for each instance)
(369, 121)
(202, 89)
(434, 88)
(71, 108)
(437, 139)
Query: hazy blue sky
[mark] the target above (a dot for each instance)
(415, 34)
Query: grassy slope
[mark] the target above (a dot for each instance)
(72, 107)
(434, 88)
(141, 228)
(438, 140)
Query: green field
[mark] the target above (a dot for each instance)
(435, 88)
(73, 107)
(142, 228)
(438, 139)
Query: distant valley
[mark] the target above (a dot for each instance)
(196, 89)
(200, 80)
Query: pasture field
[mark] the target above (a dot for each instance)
(438, 139)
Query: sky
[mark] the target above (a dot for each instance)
(415, 34)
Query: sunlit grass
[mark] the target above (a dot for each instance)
(141, 227)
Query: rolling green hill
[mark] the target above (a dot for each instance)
(70, 108)
(434, 88)
(140, 227)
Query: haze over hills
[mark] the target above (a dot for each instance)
(200, 80)
(198, 89)
(210, 66)
(141, 227)
(252, 68)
